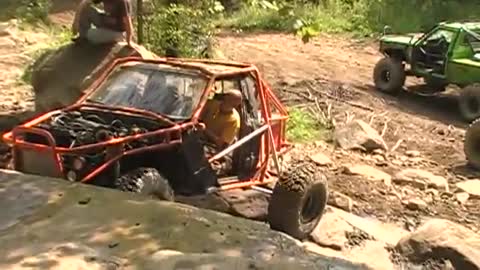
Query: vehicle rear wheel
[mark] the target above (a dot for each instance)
(298, 201)
(471, 145)
(147, 181)
(389, 75)
(469, 102)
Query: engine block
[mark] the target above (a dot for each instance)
(73, 129)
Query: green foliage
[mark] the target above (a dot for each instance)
(185, 28)
(303, 126)
(362, 17)
(33, 11)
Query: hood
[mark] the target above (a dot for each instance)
(407, 39)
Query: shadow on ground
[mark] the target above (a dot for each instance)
(419, 100)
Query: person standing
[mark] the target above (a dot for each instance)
(111, 25)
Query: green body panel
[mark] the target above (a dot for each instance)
(462, 65)
(400, 40)
(463, 71)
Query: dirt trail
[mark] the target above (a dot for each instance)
(16, 47)
(284, 58)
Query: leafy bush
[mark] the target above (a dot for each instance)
(303, 126)
(33, 11)
(364, 17)
(182, 29)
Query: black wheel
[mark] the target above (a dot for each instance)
(471, 145)
(469, 102)
(298, 201)
(389, 75)
(147, 181)
(435, 85)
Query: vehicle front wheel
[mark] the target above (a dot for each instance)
(469, 102)
(298, 201)
(147, 181)
(389, 75)
(471, 145)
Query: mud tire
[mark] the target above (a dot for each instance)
(389, 75)
(147, 181)
(471, 145)
(298, 201)
(469, 102)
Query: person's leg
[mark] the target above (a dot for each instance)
(103, 35)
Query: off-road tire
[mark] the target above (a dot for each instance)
(471, 145)
(469, 102)
(298, 201)
(389, 75)
(147, 181)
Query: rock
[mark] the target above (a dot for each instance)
(123, 218)
(320, 144)
(433, 192)
(332, 231)
(321, 159)
(71, 256)
(472, 187)
(462, 197)
(442, 239)
(359, 135)
(174, 260)
(397, 162)
(384, 232)
(378, 158)
(415, 204)
(56, 82)
(412, 153)
(341, 201)
(421, 179)
(369, 173)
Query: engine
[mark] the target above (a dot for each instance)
(85, 127)
(77, 128)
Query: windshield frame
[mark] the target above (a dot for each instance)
(120, 64)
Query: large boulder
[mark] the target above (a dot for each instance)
(445, 240)
(60, 76)
(42, 217)
(359, 135)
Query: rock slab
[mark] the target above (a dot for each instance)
(443, 239)
(472, 187)
(421, 179)
(368, 172)
(131, 227)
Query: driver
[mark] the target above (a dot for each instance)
(222, 119)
